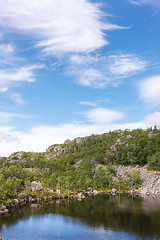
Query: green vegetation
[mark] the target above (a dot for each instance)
(80, 165)
(154, 161)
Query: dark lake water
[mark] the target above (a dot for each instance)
(101, 217)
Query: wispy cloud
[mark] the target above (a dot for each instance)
(7, 116)
(149, 90)
(9, 77)
(16, 97)
(91, 104)
(6, 49)
(14, 69)
(7, 57)
(101, 71)
(143, 2)
(125, 65)
(57, 26)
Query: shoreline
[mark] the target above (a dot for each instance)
(79, 196)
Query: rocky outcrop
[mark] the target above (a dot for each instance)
(150, 179)
(78, 140)
(128, 136)
(58, 149)
(150, 134)
(150, 182)
(36, 186)
(67, 141)
(54, 147)
(16, 155)
(80, 195)
(3, 210)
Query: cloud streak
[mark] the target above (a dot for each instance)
(143, 2)
(7, 116)
(10, 76)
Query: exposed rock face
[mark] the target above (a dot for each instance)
(80, 195)
(78, 140)
(128, 136)
(67, 141)
(3, 210)
(36, 186)
(16, 157)
(16, 154)
(150, 134)
(76, 165)
(15, 201)
(22, 194)
(50, 156)
(150, 179)
(151, 182)
(95, 192)
(55, 148)
(114, 191)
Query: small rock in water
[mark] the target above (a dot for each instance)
(114, 191)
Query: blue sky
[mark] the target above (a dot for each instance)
(72, 68)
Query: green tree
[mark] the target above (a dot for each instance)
(12, 185)
(133, 178)
(101, 178)
(154, 161)
(84, 175)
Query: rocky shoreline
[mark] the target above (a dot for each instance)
(150, 186)
(81, 195)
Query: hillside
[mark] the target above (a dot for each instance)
(91, 162)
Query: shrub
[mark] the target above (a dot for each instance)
(154, 161)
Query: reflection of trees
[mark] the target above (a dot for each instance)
(117, 213)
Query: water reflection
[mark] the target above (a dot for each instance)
(104, 215)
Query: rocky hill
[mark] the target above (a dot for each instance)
(121, 160)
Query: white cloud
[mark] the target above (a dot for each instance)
(153, 119)
(101, 71)
(103, 116)
(149, 90)
(57, 26)
(10, 76)
(6, 49)
(41, 137)
(124, 65)
(7, 116)
(7, 57)
(13, 69)
(93, 78)
(3, 89)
